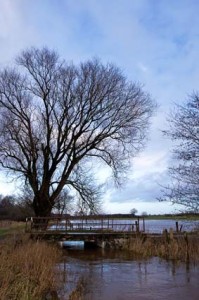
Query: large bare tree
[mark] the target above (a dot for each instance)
(57, 117)
(184, 174)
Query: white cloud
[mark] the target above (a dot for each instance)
(154, 207)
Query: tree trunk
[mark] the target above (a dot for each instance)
(42, 206)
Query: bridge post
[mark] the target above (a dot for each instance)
(143, 224)
(137, 226)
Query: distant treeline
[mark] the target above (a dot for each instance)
(183, 215)
(13, 208)
(177, 214)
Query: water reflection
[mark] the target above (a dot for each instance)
(72, 244)
(109, 274)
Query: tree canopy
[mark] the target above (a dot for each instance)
(57, 117)
(184, 174)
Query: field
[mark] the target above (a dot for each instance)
(10, 228)
(190, 217)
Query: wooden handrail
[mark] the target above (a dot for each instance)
(86, 223)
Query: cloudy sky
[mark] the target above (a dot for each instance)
(154, 42)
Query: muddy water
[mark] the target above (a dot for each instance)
(112, 275)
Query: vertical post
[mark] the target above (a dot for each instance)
(26, 229)
(143, 224)
(136, 226)
(177, 227)
(31, 223)
(102, 223)
(57, 223)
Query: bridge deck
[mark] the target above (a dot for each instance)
(76, 227)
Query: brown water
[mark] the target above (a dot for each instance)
(113, 275)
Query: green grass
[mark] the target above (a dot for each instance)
(173, 217)
(4, 231)
(9, 228)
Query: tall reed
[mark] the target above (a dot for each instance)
(78, 292)
(183, 247)
(27, 271)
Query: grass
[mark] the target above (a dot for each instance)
(27, 270)
(77, 293)
(183, 247)
(186, 217)
(11, 227)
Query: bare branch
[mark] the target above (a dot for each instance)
(184, 131)
(55, 115)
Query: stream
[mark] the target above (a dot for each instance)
(118, 275)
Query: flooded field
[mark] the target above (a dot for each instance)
(117, 275)
(147, 225)
(157, 226)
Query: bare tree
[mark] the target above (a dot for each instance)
(63, 203)
(133, 211)
(184, 174)
(13, 208)
(144, 214)
(57, 117)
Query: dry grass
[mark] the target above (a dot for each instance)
(184, 248)
(77, 293)
(27, 271)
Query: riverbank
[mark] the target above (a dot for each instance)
(183, 247)
(30, 269)
(27, 270)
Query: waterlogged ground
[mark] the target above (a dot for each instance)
(149, 226)
(116, 275)
(157, 226)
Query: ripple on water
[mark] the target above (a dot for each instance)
(116, 275)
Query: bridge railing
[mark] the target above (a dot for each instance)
(97, 223)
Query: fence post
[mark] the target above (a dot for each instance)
(177, 227)
(143, 225)
(136, 226)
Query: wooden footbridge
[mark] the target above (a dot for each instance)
(85, 228)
